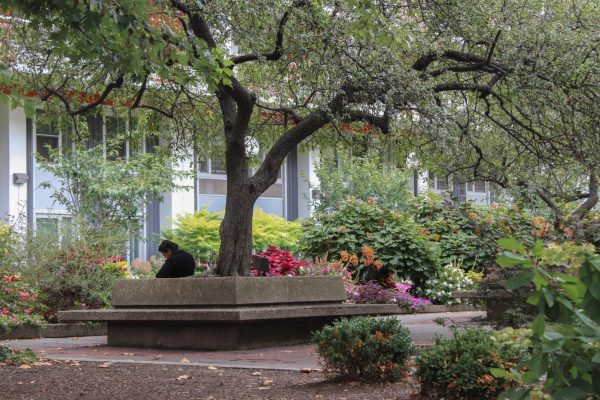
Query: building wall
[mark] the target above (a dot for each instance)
(13, 150)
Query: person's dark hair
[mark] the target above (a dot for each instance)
(166, 245)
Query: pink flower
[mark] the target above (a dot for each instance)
(24, 294)
(4, 311)
(27, 311)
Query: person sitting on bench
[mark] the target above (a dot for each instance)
(178, 263)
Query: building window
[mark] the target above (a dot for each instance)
(47, 137)
(115, 131)
(217, 166)
(479, 186)
(54, 225)
(441, 183)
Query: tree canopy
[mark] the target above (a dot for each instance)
(458, 74)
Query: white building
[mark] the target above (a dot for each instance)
(22, 199)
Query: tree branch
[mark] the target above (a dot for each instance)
(277, 51)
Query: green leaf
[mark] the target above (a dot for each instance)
(538, 325)
(500, 373)
(596, 358)
(537, 249)
(512, 244)
(508, 259)
(519, 280)
(514, 394)
(568, 393)
(549, 296)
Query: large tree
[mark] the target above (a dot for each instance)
(311, 63)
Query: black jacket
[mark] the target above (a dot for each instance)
(179, 265)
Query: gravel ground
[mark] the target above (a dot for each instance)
(114, 381)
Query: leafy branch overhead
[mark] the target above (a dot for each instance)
(454, 73)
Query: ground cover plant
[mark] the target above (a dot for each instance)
(372, 292)
(281, 263)
(459, 367)
(13, 357)
(363, 348)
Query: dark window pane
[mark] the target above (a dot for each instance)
(202, 165)
(94, 123)
(46, 226)
(42, 144)
(217, 166)
(115, 137)
(480, 186)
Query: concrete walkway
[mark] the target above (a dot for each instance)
(94, 348)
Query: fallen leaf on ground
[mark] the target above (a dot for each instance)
(184, 360)
(24, 366)
(256, 373)
(127, 354)
(266, 382)
(183, 377)
(264, 387)
(40, 363)
(212, 368)
(308, 370)
(105, 365)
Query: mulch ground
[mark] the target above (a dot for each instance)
(114, 381)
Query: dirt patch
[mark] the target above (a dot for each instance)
(114, 381)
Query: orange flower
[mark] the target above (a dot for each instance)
(369, 234)
(377, 265)
(344, 256)
(423, 232)
(368, 255)
(354, 260)
(342, 229)
(372, 200)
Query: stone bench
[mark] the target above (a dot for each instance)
(223, 313)
(497, 301)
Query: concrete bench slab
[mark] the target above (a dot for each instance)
(223, 313)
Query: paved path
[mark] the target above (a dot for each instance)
(94, 348)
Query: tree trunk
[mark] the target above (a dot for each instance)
(236, 234)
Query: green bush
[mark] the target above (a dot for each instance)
(459, 367)
(72, 273)
(468, 233)
(8, 242)
(198, 233)
(364, 348)
(374, 241)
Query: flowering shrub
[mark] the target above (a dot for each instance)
(19, 304)
(364, 348)
(281, 263)
(451, 278)
(459, 367)
(117, 266)
(75, 272)
(468, 233)
(372, 292)
(371, 241)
